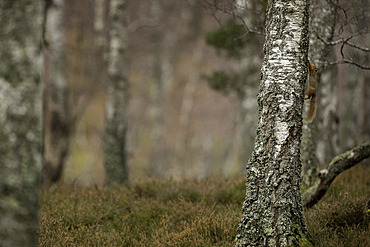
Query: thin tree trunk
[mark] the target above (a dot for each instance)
(57, 125)
(186, 108)
(363, 123)
(20, 121)
(363, 113)
(322, 22)
(272, 210)
(116, 116)
(161, 56)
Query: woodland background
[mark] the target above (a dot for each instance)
(184, 121)
(167, 89)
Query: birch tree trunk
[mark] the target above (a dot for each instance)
(116, 115)
(182, 159)
(182, 144)
(158, 94)
(322, 22)
(272, 210)
(20, 111)
(57, 127)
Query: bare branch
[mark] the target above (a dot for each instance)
(344, 61)
(345, 42)
(215, 5)
(341, 40)
(339, 164)
(365, 49)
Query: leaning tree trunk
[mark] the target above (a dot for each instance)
(20, 115)
(272, 210)
(326, 176)
(116, 115)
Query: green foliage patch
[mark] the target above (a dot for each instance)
(190, 213)
(230, 38)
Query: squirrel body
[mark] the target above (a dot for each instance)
(311, 91)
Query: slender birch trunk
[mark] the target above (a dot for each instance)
(116, 115)
(57, 125)
(272, 210)
(182, 144)
(20, 121)
(158, 95)
(322, 22)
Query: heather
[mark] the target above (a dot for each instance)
(191, 213)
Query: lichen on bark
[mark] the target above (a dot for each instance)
(272, 211)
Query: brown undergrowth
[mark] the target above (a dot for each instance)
(188, 213)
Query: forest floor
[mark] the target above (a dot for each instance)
(188, 213)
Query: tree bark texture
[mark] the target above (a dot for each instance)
(337, 165)
(57, 124)
(272, 210)
(20, 121)
(322, 23)
(116, 115)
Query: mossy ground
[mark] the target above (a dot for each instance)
(188, 213)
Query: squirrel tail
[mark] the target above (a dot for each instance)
(312, 110)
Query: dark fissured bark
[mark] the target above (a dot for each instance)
(272, 211)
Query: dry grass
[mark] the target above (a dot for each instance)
(206, 213)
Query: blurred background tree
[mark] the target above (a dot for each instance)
(172, 55)
(168, 57)
(20, 121)
(76, 91)
(241, 38)
(116, 111)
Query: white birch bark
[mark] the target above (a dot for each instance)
(272, 210)
(20, 121)
(116, 116)
(57, 127)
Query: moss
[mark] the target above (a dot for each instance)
(299, 238)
